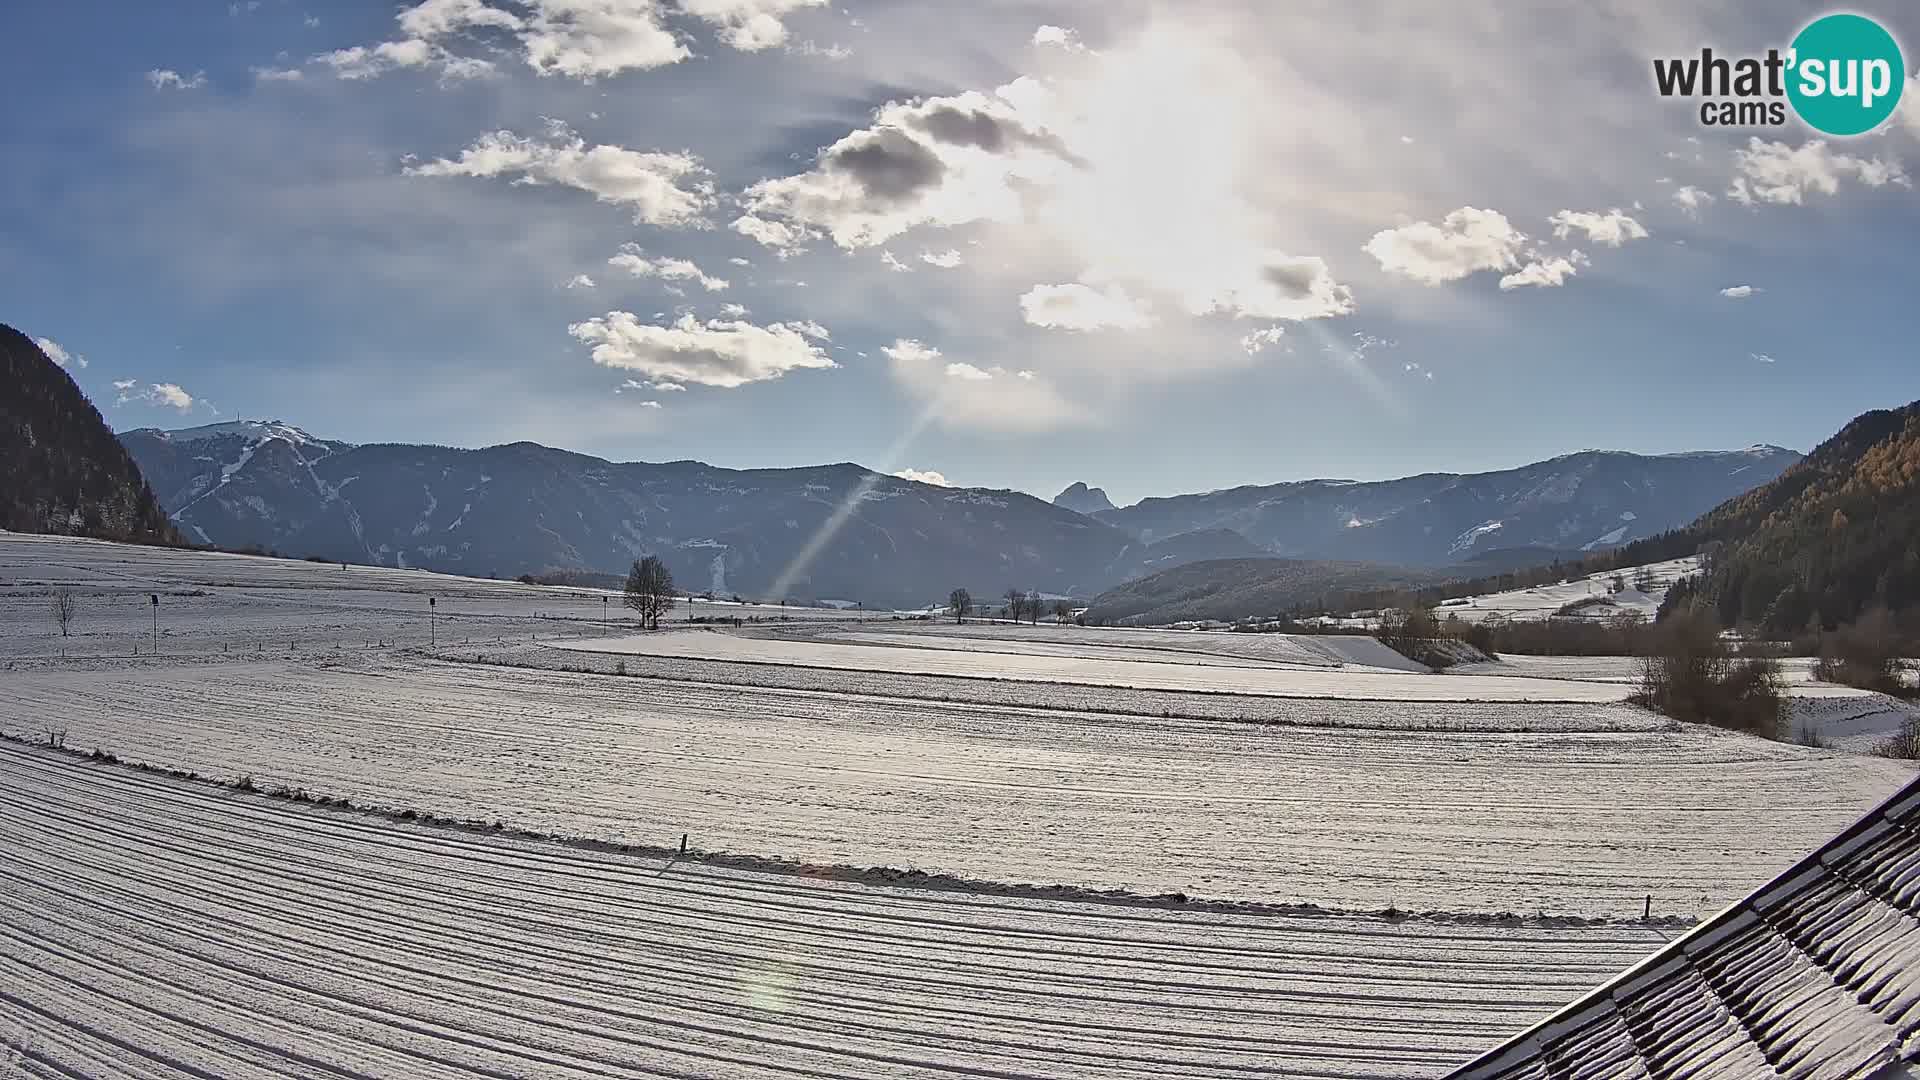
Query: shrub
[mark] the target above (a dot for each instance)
(1689, 674)
(1866, 653)
(1903, 744)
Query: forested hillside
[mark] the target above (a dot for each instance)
(65, 472)
(1833, 537)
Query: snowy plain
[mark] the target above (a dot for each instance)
(158, 927)
(152, 927)
(1093, 665)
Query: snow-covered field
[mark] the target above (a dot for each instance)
(156, 928)
(210, 602)
(1541, 602)
(1088, 665)
(1350, 817)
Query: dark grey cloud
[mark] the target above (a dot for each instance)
(889, 165)
(960, 126)
(1295, 280)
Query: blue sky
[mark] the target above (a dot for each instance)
(1156, 248)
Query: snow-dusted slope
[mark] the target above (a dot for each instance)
(1593, 592)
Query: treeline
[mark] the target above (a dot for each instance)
(1835, 538)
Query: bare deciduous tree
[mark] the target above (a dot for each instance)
(1016, 604)
(960, 604)
(64, 607)
(1033, 607)
(1062, 611)
(650, 590)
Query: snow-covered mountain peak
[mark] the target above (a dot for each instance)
(255, 430)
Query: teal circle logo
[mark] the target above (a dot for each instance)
(1845, 74)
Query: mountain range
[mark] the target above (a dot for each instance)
(1586, 501)
(846, 532)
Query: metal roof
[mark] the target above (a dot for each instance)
(1816, 976)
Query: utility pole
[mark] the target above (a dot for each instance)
(603, 615)
(433, 636)
(153, 599)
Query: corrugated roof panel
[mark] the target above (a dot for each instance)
(1685, 1030)
(1802, 1021)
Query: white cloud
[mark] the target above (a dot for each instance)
(637, 385)
(940, 161)
(1773, 172)
(924, 476)
(811, 47)
(634, 261)
(738, 261)
(60, 355)
(584, 39)
(438, 18)
(1466, 241)
(267, 74)
(1609, 229)
(892, 262)
(587, 39)
(372, 61)
(963, 395)
(1907, 116)
(665, 189)
(167, 395)
(748, 25)
(1545, 273)
(1081, 307)
(1058, 37)
(734, 311)
(1691, 199)
(654, 385)
(1738, 292)
(945, 260)
(785, 239)
(967, 372)
(580, 281)
(165, 79)
(722, 353)
(1258, 340)
(1762, 357)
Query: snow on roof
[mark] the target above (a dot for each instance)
(1816, 976)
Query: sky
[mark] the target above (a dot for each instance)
(1154, 247)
